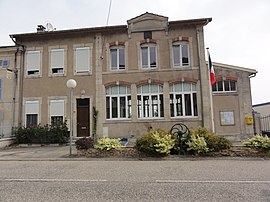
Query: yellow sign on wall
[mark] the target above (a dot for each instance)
(249, 120)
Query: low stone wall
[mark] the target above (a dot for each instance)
(124, 152)
(6, 142)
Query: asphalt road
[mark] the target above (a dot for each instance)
(183, 180)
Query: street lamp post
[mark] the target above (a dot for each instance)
(71, 84)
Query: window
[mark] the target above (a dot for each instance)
(117, 59)
(83, 60)
(33, 62)
(149, 56)
(57, 61)
(150, 101)
(57, 111)
(224, 86)
(183, 100)
(0, 89)
(31, 113)
(180, 55)
(118, 102)
(4, 63)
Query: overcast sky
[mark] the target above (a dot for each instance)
(238, 35)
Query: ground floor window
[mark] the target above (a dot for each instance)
(150, 101)
(183, 100)
(118, 102)
(31, 113)
(57, 111)
(31, 120)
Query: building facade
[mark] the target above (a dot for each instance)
(148, 74)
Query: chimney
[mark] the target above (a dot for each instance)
(40, 28)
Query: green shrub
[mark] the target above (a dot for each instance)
(258, 141)
(84, 143)
(214, 142)
(197, 144)
(156, 142)
(108, 144)
(42, 134)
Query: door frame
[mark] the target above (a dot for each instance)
(76, 113)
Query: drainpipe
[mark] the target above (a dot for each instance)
(200, 76)
(20, 48)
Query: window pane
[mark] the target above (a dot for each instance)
(176, 55)
(129, 107)
(31, 120)
(122, 89)
(172, 105)
(57, 120)
(121, 58)
(195, 104)
(153, 58)
(154, 106)
(233, 86)
(220, 85)
(144, 51)
(154, 88)
(145, 89)
(139, 106)
(114, 107)
(115, 90)
(186, 87)
(214, 87)
(188, 105)
(161, 106)
(185, 60)
(122, 107)
(146, 106)
(113, 59)
(227, 85)
(107, 107)
(178, 87)
(179, 111)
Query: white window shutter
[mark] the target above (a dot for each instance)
(57, 107)
(33, 60)
(82, 59)
(57, 58)
(32, 107)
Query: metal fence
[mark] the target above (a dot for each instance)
(261, 124)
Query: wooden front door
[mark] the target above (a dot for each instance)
(83, 118)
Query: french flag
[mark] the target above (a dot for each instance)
(211, 69)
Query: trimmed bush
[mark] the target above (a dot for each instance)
(156, 142)
(214, 142)
(108, 144)
(84, 143)
(258, 141)
(197, 144)
(42, 134)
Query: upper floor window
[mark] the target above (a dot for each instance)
(57, 61)
(148, 56)
(83, 60)
(183, 100)
(31, 113)
(4, 63)
(224, 86)
(33, 61)
(181, 55)
(0, 89)
(150, 101)
(57, 112)
(118, 102)
(117, 58)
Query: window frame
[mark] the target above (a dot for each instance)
(35, 72)
(173, 93)
(89, 69)
(117, 48)
(148, 66)
(110, 96)
(142, 108)
(181, 64)
(52, 68)
(37, 113)
(215, 86)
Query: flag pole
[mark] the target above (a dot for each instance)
(210, 90)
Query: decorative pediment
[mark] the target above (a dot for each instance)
(147, 22)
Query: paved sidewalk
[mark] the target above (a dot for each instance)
(50, 152)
